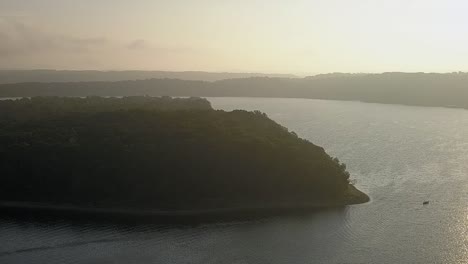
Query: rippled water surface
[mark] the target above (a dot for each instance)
(399, 155)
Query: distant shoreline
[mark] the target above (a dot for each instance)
(415, 89)
(266, 97)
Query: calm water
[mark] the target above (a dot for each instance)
(400, 155)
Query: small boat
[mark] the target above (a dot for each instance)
(425, 202)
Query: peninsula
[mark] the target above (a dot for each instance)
(147, 154)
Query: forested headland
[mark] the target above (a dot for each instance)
(160, 154)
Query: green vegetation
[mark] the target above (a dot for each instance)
(39, 108)
(159, 153)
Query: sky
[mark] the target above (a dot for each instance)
(272, 36)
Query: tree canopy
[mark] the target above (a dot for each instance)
(93, 154)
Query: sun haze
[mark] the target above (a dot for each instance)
(299, 37)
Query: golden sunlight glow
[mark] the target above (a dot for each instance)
(302, 37)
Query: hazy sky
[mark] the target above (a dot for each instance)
(294, 36)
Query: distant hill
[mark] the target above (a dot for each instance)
(18, 76)
(421, 89)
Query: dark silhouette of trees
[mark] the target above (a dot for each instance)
(158, 153)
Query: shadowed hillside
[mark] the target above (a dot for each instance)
(139, 155)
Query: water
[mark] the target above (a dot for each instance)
(399, 155)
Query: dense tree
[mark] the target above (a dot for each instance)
(46, 107)
(90, 154)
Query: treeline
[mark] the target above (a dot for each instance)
(421, 89)
(148, 158)
(36, 108)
